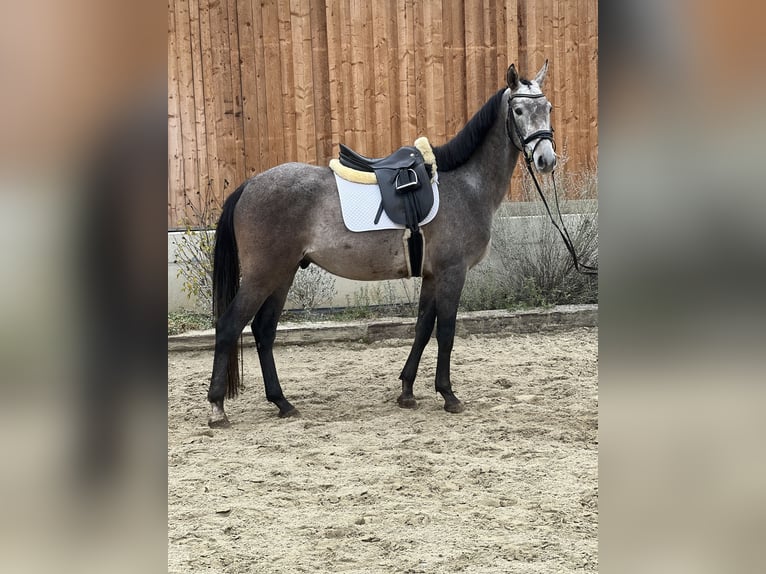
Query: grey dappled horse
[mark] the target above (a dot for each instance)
(289, 216)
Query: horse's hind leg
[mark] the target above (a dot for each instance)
(265, 330)
(423, 330)
(227, 329)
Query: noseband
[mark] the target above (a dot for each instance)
(540, 135)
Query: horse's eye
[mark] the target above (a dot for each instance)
(517, 111)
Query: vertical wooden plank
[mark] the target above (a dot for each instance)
(490, 48)
(434, 70)
(335, 72)
(521, 34)
(273, 111)
(305, 129)
(459, 78)
(393, 74)
(235, 64)
(581, 47)
(213, 110)
(420, 89)
(474, 34)
(358, 85)
(570, 80)
(224, 102)
(449, 76)
(546, 48)
(557, 71)
(529, 28)
(287, 88)
(587, 86)
(195, 54)
(249, 88)
(175, 144)
(513, 32)
(381, 67)
(321, 83)
(573, 85)
(406, 29)
(593, 82)
(209, 98)
(263, 74)
(368, 73)
(190, 188)
(349, 134)
(501, 56)
(537, 40)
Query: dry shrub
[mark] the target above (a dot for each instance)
(529, 264)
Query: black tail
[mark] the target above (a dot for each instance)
(226, 279)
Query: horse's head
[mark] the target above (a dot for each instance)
(529, 119)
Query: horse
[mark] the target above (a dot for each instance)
(290, 216)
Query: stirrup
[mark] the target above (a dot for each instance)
(412, 180)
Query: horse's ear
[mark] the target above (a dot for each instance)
(512, 77)
(540, 77)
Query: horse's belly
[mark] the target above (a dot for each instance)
(366, 256)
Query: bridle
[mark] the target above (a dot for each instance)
(542, 135)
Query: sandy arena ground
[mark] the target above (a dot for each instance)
(357, 484)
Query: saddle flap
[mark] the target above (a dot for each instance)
(406, 193)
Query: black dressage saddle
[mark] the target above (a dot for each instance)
(406, 194)
(404, 180)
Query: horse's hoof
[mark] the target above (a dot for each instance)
(407, 402)
(219, 423)
(454, 407)
(218, 418)
(293, 412)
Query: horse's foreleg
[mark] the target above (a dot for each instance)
(448, 288)
(423, 330)
(264, 331)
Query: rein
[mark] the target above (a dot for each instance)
(542, 135)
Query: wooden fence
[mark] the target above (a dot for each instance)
(254, 83)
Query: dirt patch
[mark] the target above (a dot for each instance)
(357, 484)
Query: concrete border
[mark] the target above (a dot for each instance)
(561, 317)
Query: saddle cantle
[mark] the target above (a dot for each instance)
(405, 182)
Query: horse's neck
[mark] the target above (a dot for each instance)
(492, 165)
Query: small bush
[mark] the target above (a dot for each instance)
(182, 321)
(312, 289)
(194, 252)
(381, 298)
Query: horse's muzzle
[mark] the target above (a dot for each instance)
(544, 157)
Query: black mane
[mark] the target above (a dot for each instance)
(458, 150)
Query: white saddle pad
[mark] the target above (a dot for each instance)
(360, 202)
